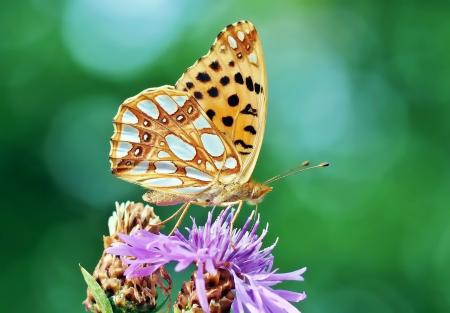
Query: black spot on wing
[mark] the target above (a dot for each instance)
(215, 66)
(233, 100)
(249, 83)
(250, 129)
(227, 121)
(249, 110)
(203, 77)
(242, 143)
(257, 88)
(213, 92)
(238, 78)
(224, 80)
(198, 95)
(210, 114)
(189, 85)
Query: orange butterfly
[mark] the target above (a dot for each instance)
(198, 142)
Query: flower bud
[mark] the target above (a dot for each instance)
(127, 295)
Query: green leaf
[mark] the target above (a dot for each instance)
(97, 291)
(176, 309)
(159, 307)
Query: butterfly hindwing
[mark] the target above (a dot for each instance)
(230, 85)
(163, 140)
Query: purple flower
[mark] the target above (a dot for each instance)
(211, 247)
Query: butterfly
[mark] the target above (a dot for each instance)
(198, 141)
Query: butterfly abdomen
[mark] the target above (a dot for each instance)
(163, 198)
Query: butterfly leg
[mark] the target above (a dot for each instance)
(256, 211)
(185, 208)
(170, 217)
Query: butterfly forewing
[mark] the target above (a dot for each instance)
(229, 83)
(163, 140)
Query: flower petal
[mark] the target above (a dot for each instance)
(295, 275)
(183, 264)
(210, 268)
(291, 296)
(276, 303)
(200, 287)
(245, 294)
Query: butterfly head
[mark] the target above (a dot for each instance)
(258, 192)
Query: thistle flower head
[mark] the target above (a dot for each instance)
(139, 292)
(214, 247)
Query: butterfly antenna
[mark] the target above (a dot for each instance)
(301, 168)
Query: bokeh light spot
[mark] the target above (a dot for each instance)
(115, 38)
(77, 148)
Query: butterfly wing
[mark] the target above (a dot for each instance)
(164, 141)
(230, 85)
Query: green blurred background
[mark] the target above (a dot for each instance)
(364, 85)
